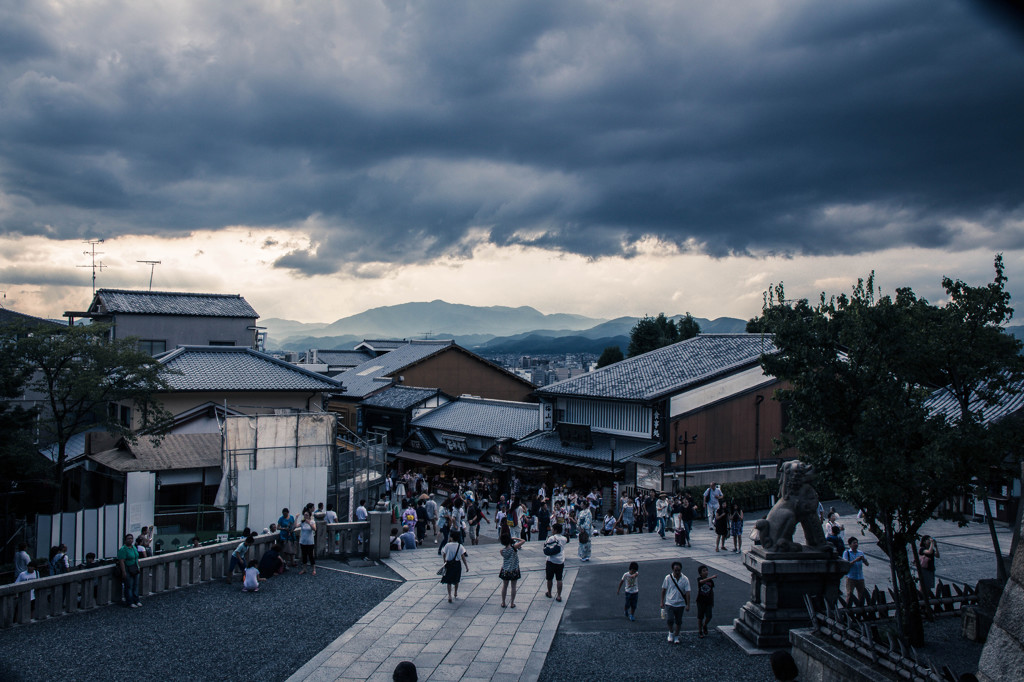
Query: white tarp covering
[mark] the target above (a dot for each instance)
(268, 491)
(280, 460)
(89, 530)
(140, 496)
(280, 441)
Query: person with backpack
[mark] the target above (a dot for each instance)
(59, 562)
(554, 567)
(712, 500)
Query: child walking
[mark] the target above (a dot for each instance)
(631, 579)
(736, 527)
(705, 599)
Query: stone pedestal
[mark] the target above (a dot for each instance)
(778, 584)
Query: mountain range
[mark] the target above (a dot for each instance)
(488, 330)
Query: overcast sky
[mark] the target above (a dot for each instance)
(593, 157)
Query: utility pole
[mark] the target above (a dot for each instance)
(152, 266)
(95, 266)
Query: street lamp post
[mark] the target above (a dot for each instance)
(686, 441)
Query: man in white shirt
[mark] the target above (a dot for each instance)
(555, 564)
(21, 559)
(331, 516)
(712, 498)
(834, 522)
(432, 516)
(361, 515)
(661, 507)
(675, 594)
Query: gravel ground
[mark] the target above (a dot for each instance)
(644, 656)
(211, 631)
(945, 645)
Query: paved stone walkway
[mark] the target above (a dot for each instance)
(475, 639)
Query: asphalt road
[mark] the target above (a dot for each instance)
(594, 606)
(595, 640)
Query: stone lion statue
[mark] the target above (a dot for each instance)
(797, 504)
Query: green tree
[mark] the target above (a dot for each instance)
(861, 369)
(688, 327)
(651, 333)
(23, 474)
(81, 373)
(977, 363)
(609, 356)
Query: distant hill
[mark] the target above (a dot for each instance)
(535, 344)
(417, 319)
(302, 343)
(490, 330)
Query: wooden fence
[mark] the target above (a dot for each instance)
(850, 625)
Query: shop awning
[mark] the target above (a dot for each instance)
(420, 458)
(459, 464)
(566, 461)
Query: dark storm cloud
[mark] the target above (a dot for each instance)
(400, 132)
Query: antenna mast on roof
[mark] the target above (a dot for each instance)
(152, 266)
(427, 334)
(95, 266)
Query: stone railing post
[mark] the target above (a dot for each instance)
(380, 535)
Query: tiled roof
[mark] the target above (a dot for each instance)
(234, 368)
(16, 319)
(381, 344)
(426, 438)
(667, 370)
(1009, 401)
(482, 417)
(359, 381)
(626, 449)
(74, 448)
(175, 451)
(341, 358)
(171, 303)
(400, 397)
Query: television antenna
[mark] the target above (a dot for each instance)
(95, 266)
(152, 266)
(427, 334)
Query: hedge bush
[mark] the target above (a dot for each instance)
(750, 495)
